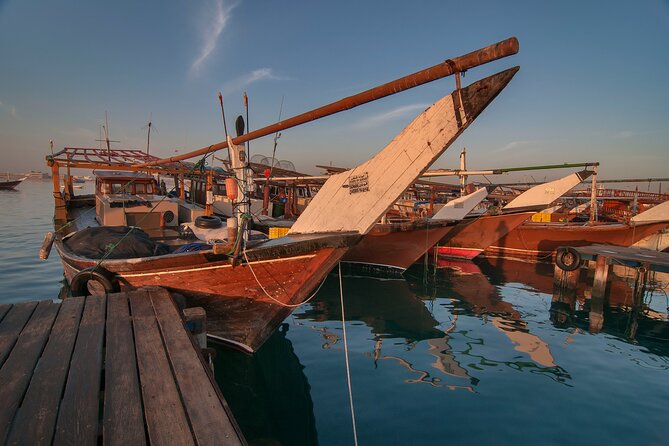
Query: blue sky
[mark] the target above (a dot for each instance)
(592, 85)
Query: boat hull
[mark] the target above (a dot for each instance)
(471, 237)
(9, 185)
(540, 240)
(244, 303)
(397, 246)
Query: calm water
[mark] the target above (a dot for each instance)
(472, 354)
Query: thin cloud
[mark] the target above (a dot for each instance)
(211, 34)
(240, 83)
(624, 134)
(398, 113)
(514, 145)
(10, 108)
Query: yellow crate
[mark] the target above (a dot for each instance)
(278, 232)
(541, 217)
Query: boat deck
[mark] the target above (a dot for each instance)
(117, 369)
(632, 257)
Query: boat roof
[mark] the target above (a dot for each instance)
(118, 159)
(119, 175)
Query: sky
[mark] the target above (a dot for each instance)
(592, 84)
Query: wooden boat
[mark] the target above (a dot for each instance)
(10, 184)
(397, 246)
(248, 287)
(473, 235)
(540, 240)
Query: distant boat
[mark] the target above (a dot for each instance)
(540, 240)
(10, 184)
(473, 235)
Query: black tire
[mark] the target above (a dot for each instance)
(79, 283)
(208, 222)
(568, 259)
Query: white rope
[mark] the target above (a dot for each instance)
(248, 263)
(348, 370)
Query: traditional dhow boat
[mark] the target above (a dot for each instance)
(397, 246)
(473, 235)
(249, 286)
(10, 184)
(541, 240)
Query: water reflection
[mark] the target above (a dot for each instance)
(268, 392)
(485, 330)
(637, 317)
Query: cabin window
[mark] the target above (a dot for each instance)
(117, 188)
(149, 188)
(140, 188)
(105, 188)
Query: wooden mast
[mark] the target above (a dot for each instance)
(451, 66)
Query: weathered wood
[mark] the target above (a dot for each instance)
(209, 418)
(18, 368)
(567, 280)
(196, 323)
(36, 419)
(163, 410)
(79, 411)
(11, 326)
(544, 194)
(602, 268)
(123, 421)
(363, 194)
(4, 309)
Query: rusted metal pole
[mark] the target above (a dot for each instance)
(481, 56)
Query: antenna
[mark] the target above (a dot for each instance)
(148, 135)
(107, 140)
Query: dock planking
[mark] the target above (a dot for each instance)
(115, 369)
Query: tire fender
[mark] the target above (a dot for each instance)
(567, 258)
(79, 283)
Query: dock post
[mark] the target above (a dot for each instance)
(565, 280)
(564, 296)
(602, 267)
(196, 322)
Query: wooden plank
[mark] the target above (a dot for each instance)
(163, 411)
(11, 326)
(36, 419)
(4, 309)
(209, 416)
(79, 411)
(363, 194)
(123, 420)
(18, 368)
(600, 280)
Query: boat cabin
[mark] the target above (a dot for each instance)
(132, 199)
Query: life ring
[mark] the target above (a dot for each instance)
(567, 258)
(208, 222)
(79, 283)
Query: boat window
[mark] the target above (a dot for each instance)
(105, 188)
(149, 188)
(117, 188)
(140, 188)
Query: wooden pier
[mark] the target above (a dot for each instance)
(120, 369)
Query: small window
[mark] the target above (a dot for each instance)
(149, 188)
(140, 188)
(105, 188)
(117, 188)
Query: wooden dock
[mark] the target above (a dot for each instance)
(120, 369)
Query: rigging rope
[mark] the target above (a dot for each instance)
(348, 369)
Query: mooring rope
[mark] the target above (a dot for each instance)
(348, 369)
(248, 263)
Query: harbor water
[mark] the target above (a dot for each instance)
(470, 353)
